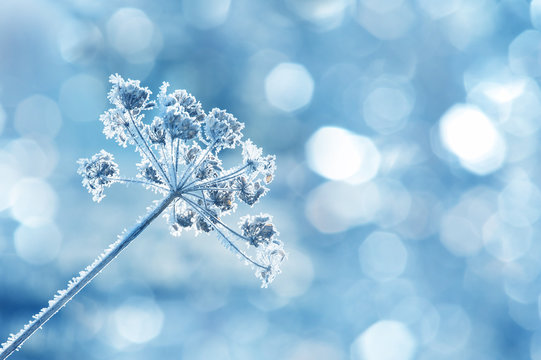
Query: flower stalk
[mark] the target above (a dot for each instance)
(180, 160)
(78, 283)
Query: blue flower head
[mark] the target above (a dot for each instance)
(128, 93)
(180, 150)
(180, 159)
(223, 129)
(98, 172)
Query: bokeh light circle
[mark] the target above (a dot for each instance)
(391, 20)
(325, 14)
(133, 35)
(10, 177)
(338, 154)
(504, 241)
(206, 14)
(33, 201)
(289, 86)
(38, 245)
(386, 109)
(139, 320)
(468, 133)
(454, 329)
(437, 9)
(383, 256)
(384, 340)
(33, 159)
(38, 115)
(336, 206)
(519, 202)
(525, 53)
(79, 41)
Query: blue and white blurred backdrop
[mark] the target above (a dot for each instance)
(407, 190)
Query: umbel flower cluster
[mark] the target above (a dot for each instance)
(180, 150)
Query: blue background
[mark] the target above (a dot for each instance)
(407, 192)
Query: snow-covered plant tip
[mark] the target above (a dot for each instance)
(179, 150)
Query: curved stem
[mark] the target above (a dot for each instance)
(76, 284)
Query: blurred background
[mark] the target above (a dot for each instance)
(407, 191)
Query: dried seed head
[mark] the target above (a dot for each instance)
(180, 151)
(98, 173)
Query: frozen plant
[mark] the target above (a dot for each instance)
(180, 160)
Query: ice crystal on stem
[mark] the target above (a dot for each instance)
(180, 159)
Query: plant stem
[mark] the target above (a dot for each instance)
(86, 276)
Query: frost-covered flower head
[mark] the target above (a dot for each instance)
(180, 150)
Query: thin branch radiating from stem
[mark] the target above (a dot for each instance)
(214, 218)
(176, 159)
(136, 181)
(193, 166)
(151, 155)
(206, 216)
(74, 286)
(203, 185)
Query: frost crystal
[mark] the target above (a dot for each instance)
(180, 150)
(259, 230)
(127, 94)
(223, 129)
(98, 173)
